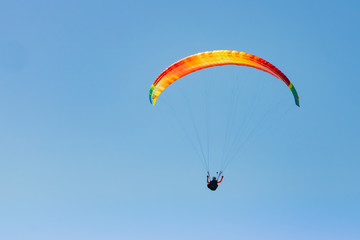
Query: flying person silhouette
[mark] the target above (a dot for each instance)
(213, 184)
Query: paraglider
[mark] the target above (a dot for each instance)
(209, 59)
(213, 184)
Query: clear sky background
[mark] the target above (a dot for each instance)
(83, 155)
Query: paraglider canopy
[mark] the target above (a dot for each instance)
(211, 59)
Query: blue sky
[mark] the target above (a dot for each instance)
(79, 145)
